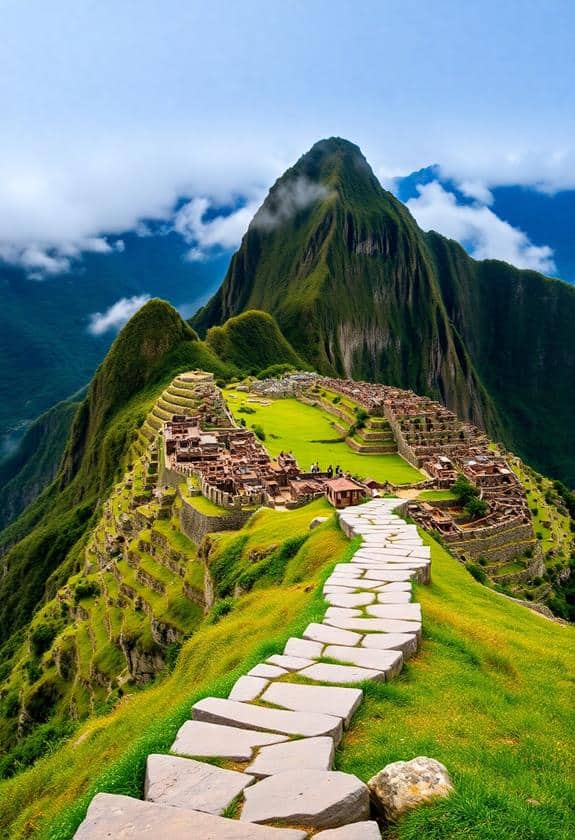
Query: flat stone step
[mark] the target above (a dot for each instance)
(339, 702)
(359, 583)
(214, 740)
(355, 831)
(123, 818)
(406, 612)
(396, 586)
(315, 798)
(388, 575)
(185, 783)
(340, 674)
(303, 754)
(337, 590)
(393, 598)
(248, 688)
(407, 643)
(343, 612)
(289, 663)
(375, 625)
(331, 635)
(268, 671)
(304, 648)
(356, 600)
(248, 716)
(388, 661)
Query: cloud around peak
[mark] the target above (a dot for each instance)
(477, 227)
(286, 200)
(116, 315)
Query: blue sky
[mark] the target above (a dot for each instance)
(113, 110)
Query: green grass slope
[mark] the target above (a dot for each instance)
(477, 697)
(253, 342)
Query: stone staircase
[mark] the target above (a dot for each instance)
(278, 731)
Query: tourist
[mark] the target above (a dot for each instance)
(330, 471)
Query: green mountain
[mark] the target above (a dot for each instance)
(359, 290)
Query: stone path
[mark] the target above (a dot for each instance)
(280, 733)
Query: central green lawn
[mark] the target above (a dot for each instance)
(309, 433)
(436, 495)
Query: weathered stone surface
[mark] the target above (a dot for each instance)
(303, 754)
(343, 612)
(337, 590)
(340, 674)
(345, 569)
(267, 671)
(360, 583)
(340, 702)
(375, 625)
(313, 798)
(331, 635)
(403, 785)
(405, 612)
(248, 688)
(389, 661)
(124, 818)
(405, 642)
(185, 783)
(355, 831)
(213, 740)
(304, 648)
(394, 597)
(308, 724)
(359, 599)
(397, 586)
(388, 575)
(290, 663)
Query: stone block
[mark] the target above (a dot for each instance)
(303, 754)
(340, 702)
(212, 740)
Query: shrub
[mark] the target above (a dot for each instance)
(220, 609)
(246, 409)
(464, 490)
(85, 589)
(477, 572)
(41, 637)
(476, 508)
(259, 432)
(274, 371)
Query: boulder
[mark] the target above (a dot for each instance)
(317, 521)
(403, 785)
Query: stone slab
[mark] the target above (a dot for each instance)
(355, 831)
(343, 612)
(358, 599)
(395, 586)
(375, 625)
(248, 688)
(313, 798)
(304, 648)
(212, 740)
(405, 612)
(247, 716)
(337, 590)
(339, 702)
(383, 574)
(185, 783)
(124, 818)
(303, 754)
(345, 569)
(360, 583)
(405, 642)
(289, 663)
(270, 672)
(388, 575)
(388, 661)
(331, 635)
(394, 597)
(325, 672)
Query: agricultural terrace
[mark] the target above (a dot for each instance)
(309, 433)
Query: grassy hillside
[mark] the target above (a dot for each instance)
(253, 342)
(476, 698)
(33, 466)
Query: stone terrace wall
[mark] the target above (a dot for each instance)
(196, 524)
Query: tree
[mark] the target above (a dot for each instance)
(476, 507)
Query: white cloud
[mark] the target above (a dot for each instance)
(116, 315)
(286, 200)
(221, 231)
(478, 228)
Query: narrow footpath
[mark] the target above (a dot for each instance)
(286, 732)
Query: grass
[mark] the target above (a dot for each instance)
(309, 433)
(203, 505)
(108, 752)
(436, 495)
(490, 695)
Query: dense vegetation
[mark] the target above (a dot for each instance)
(357, 288)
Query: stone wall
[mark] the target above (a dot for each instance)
(498, 543)
(196, 525)
(403, 447)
